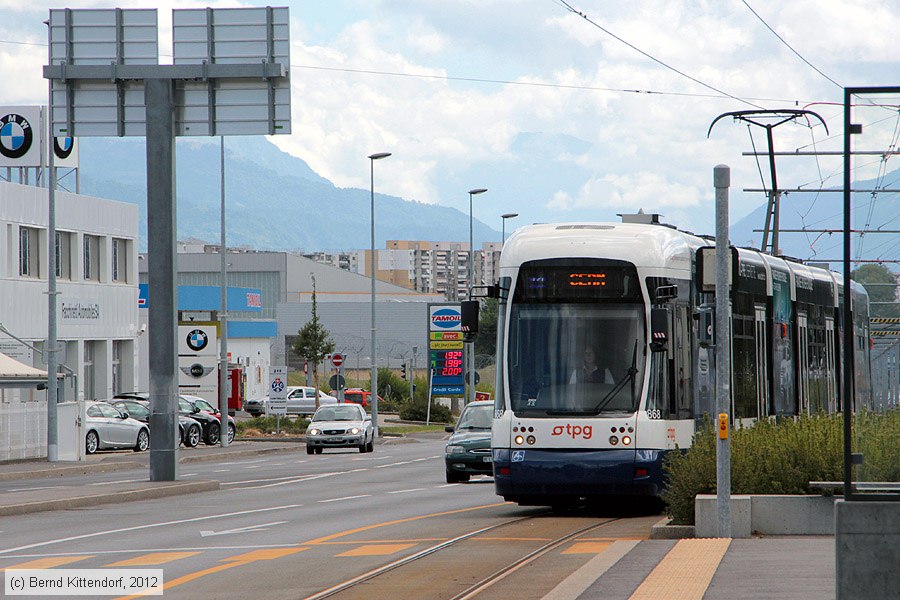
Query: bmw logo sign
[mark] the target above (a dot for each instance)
(197, 340)
(62, 147)
(15, 136)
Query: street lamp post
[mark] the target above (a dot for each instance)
(374, 382)
(470, 357)
(505, 217)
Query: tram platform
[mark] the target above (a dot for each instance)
(784, 567)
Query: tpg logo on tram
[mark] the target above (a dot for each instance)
(573, 431)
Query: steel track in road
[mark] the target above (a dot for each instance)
(485, 582)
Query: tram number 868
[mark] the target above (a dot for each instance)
(654, 413)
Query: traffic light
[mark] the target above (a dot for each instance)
(403, 370)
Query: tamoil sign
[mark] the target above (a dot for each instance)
(445, 350)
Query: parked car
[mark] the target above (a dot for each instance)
(301, 400)
(201, 410)
(340, 426)
(202, 413)
(468, 450)
(108, 427)
(360, 396)
(189, 429)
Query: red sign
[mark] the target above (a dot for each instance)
(337, 359)
(479, 396)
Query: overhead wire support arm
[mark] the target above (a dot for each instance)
(780, 116)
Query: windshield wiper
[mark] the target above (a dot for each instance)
(629, 376)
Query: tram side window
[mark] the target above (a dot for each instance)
(743, 374)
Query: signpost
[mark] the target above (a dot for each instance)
(278, 392)
(446, 352)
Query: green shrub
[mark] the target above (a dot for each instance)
(416, 411)
(265, 425)
(781, 456)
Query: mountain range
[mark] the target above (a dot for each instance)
(275, 201)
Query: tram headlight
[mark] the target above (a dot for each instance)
(626, 440)
(519, 440)
(613, 440)
(530, 439)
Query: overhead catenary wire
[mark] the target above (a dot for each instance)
(791, 48)
(573, 10)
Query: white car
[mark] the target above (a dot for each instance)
(340, 426)
(301, 400)
(108, 427)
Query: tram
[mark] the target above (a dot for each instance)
(605, 361)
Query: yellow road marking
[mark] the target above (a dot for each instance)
(333, 536)
(49, 562)
(510, 539)
(685, 572)
(376, 549)
(400, 541)
(154, 558)
(230, 562)
(587, 548)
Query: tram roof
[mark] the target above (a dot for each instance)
(644, 245)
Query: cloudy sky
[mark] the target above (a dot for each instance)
(564, 110)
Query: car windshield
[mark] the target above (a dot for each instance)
(476, 417)
(337, 413)
(204, 405)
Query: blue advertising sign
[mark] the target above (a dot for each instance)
(446, 352)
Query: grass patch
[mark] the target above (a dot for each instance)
(404, 429)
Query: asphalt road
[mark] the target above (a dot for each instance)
(282, 526)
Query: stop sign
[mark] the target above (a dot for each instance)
(337, 359)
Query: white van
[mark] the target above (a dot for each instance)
(301, 400)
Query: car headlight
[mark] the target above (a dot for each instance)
(453, 449)
(313, 432)
(354, 430)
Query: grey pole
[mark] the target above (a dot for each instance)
(505, 217)
(374, 382)
(158, 98)
(412, 373)
(52, 381)
(722, 181)
(470, 355)
(223, 314)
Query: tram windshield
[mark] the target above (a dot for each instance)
(576, 352)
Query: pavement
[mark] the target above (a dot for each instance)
(784, 567)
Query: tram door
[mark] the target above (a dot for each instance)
(830, 370)
(762, 371)
(803, 362)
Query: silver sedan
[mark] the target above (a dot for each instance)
(340, 426)
(108, 427)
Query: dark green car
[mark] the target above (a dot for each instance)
(468, 450)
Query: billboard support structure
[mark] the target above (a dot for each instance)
(99, 61)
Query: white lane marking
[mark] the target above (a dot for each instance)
(276, 464)
(188, 474)
(248, 529)
(407, 491)
(290, 481)
(344, 498)
(43, 487)
(243, 462)
(222, 471)
(299, 462)
(118, 481)
(148, 526)
(406, 462)
(447, 485)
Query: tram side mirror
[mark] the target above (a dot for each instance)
(659, 329)
(469, 314)
(706, 326)
(665, 293)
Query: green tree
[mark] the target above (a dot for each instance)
(881, 285)
(313, 342)
(486, 341)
